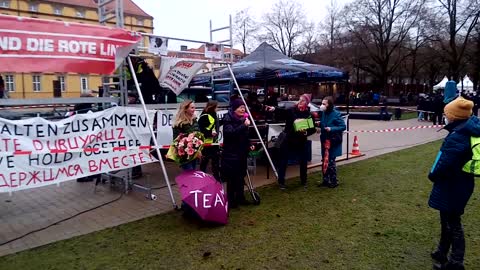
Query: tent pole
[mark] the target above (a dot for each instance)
(253, 121)
(150, 127)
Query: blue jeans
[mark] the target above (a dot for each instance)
(192, 165)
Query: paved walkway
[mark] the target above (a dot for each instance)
(30, 210)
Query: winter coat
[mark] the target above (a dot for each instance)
(185, 128)
(294, 139)
(332, 119)
(236, 146)
(452, 187)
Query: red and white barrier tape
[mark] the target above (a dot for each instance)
(167, 146)
(392, 107)
(396, 129)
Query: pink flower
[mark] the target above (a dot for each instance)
(199, 143)
(181, 152)
(190, 151)
(190, 145)
(191, 136)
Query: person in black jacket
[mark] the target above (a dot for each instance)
(295, 142)
(208, 124)
(452, 185)
(236, 146)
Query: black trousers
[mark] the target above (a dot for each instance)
(452, 236)
(235, 190)
(211, 153)
(437, 118)
(286, 151)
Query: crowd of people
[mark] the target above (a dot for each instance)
(230, 164)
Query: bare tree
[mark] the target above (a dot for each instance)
(332, 25)
(310, 42)
(420, 37)
(284, 26)
(382, 27)
(244, 30)
(460, 17)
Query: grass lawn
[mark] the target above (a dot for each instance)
(406, 115)
(377, 219)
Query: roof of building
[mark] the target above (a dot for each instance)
(201, 49)
(129, 6)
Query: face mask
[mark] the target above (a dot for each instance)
(323, 108)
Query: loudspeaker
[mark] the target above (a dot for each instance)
(57, 89)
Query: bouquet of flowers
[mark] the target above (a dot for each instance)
(186, 148)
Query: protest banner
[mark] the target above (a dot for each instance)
(165, 119)
(166, 64)
(213, 51)
(180, 76)
(158, 45)
(36, 152)
(36, 45)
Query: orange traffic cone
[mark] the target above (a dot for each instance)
(355, 148)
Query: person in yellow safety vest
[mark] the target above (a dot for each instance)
(208, 124)
(452, 175)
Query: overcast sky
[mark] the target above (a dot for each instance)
(189, 19)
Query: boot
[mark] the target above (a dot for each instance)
(439, 260)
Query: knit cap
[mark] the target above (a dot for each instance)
(236, 103)
(458, 109)
(307, 98)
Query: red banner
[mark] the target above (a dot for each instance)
(35, 45)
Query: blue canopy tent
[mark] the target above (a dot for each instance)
(267, 65)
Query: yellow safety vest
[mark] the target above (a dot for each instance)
(473, 165)
(211, 126)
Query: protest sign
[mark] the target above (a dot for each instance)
(158, 45)
(166, 64)
(165, 120)
(36, 45)
(213, 51)
(36, 152)
(180, 76)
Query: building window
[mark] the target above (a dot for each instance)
(140, 22)
(9, 83)
(4, 4)
(37, 83)
(80, 13)
(61, 79)
(84, 84)
(33, 7)
(58, 10)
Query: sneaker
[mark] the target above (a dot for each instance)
(282, 187)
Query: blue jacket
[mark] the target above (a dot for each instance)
(452, 187)
(334, 121)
